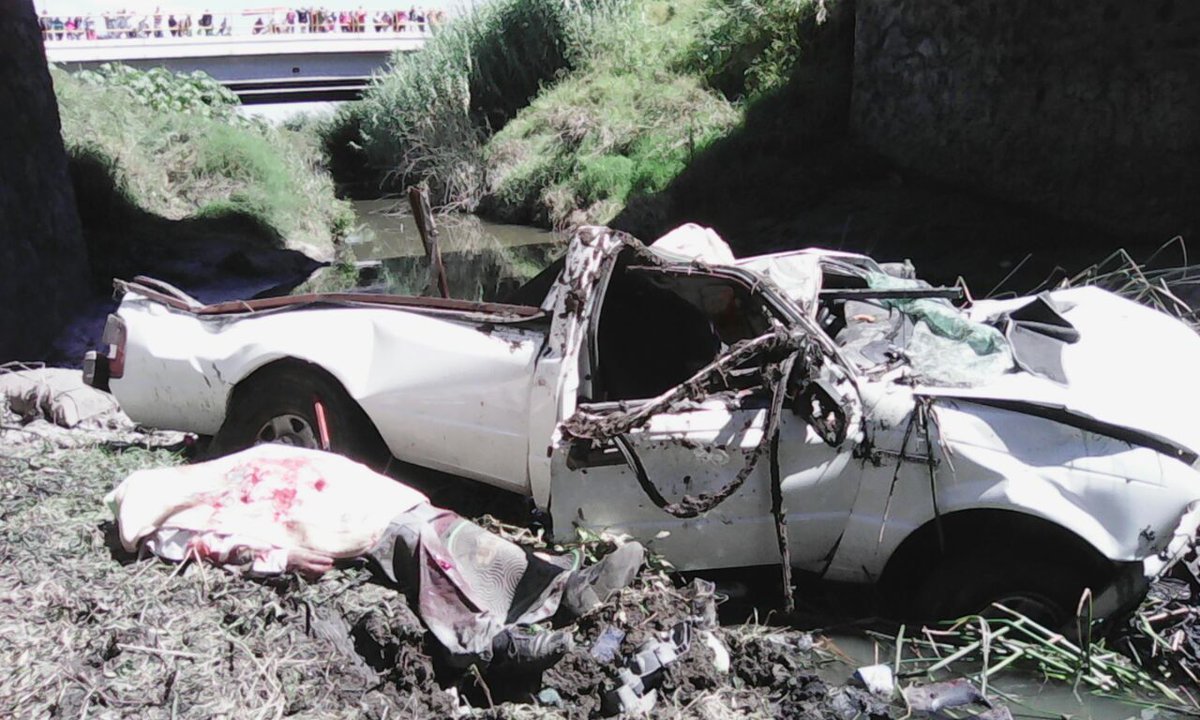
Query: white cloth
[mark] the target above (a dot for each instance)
(254, 505)
(693, 242)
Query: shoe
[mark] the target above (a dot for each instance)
(530, 652)
(590, 587)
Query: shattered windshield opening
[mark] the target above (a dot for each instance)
(937, 341)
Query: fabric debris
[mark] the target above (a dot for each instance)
(55, 394)
(273, 508)
(692, 242)
(942, 318)
(466, 598)
(311, 505)
(940, 344)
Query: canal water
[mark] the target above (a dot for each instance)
(485, 259)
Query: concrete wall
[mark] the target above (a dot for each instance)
(1087, 110)
(43, 261)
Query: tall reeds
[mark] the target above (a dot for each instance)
(430, 116)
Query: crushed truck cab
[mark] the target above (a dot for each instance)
(810, 408)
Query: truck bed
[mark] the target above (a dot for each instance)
(173, 297)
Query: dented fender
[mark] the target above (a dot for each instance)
(989, 458)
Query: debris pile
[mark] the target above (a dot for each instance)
(91, 629)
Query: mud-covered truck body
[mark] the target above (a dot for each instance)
(810, 407)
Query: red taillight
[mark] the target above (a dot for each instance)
(114, 336)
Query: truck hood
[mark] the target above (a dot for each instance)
(1133, 373)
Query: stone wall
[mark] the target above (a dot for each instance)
(43, 260)
(1087, 110)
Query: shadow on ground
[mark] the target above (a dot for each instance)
(232, 256)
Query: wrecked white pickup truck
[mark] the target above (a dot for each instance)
(806, 406)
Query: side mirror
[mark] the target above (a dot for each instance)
(817, 403)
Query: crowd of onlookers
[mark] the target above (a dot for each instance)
(318, 20)
(124, 24)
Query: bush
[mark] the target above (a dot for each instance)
(749, 47)
(624, 123)
(194, 156)
(161, 89)
(430, 116)
(556, 112)
(605, 177)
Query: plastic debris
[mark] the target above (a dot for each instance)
(877, 679)
(721, 660)
(944, 695)
(607, 645)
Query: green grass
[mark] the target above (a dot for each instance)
(746, 48)
(583, 147)
(627, 122)
(179, 151)
(428, 119)
(555, 113)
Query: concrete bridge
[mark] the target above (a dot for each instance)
(269, 68)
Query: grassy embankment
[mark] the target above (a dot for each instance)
(539, 110)
(163, 165)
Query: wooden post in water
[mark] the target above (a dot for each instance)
(418, 199)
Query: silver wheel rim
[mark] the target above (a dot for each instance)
(287, 430)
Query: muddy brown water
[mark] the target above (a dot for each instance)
(484, 259)
(1025, 694)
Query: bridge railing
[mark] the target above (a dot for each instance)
(158, 27)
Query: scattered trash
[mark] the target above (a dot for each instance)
(1164, 633)
(638, 679)
(550, 697)
(981, 648)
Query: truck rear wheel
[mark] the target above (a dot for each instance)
(300, 406)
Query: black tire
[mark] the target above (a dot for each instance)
(1047, 593)
(278, 404)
